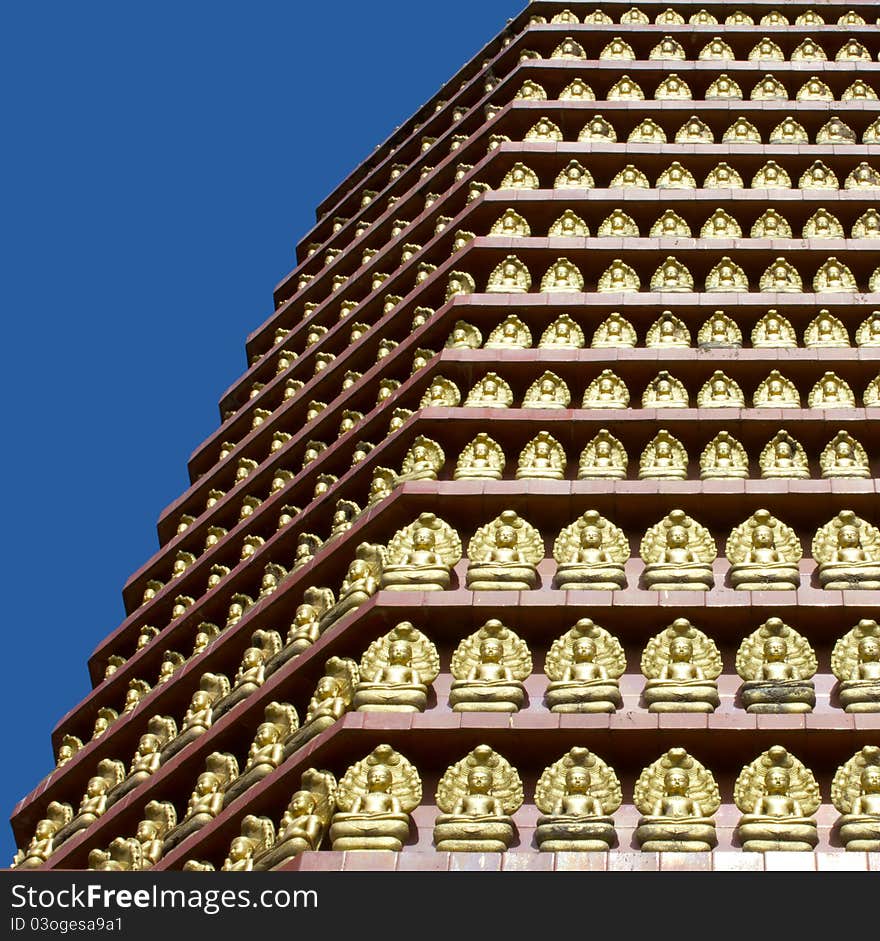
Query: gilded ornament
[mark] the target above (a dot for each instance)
(843, 456)
(831, 392)
(724, 87)
(678, 554)
(766, 49)
(724, 458)
(590, 555)
(719, 331)
(503, 555)
(668, 331)
(681, 666)
(673, 88)
(618, 225)
(668, 48)
(267, 750)
(511, 225)
(562, 277)
(781, 276)
(42, 844)
(634, 15)
(721, 225)
(361, 582)
(488, 670)
(776, 392)
(818, 176)
(784, 457)
(598, 130)
(665, 391)
(207, 798)
(547, 391)
(855, 793)
(574, 176)
(604, 458)
(460, 283)
(741, 132)
(543, 458)
(694, 131)
(618, 50)
(859, 91)
(789, 131)
(510, 277)
(520, 177)
(726, 276)
(199, 715)
(544, 131)
(396, 671)
(664, 458)
(617, 332)
(836, 131)
(423, 461)
(764, 554)
(577, 90)
(511, 333)
(331, 699)
(569, 225)
(647, 132)
(490, 392)
(441, 393)
(720, 391)
(855, 662)
(625, 89)
(852, 51)
(569, 49)
(868, 333)
(867, 226)
(583, 668)
(723, 176)
(814, 89)
(771, 225)
(482, 459)
(562, 334)
(773, 330)
(421, 556)
(670, 225)
(618, 277)
(606, 391)
(769, 88)
(530, 91)
(848, 552)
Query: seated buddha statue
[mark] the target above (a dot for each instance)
(855, 661)
(724, 458)
(305, 628)
(421, 556)
(618, 277)
(396, 671)
(423, 461)
(668, 331)
(721, 225)
(617, 332)
(629, 176)
(677, 798)
(503, 555)
(781, 276)
(490, 392)
(574, 175)
(814, 89)
(727, 276)
(764, 554)
(476, 798)
(618, 224)
(562, 277)
(670, 225)
(843, 456)
(716, 49)
(266, 751)
(330, 701)
(664, 458)
(673, 87)
(855, 793)
(848, 552)
(307, 544)
(868, 333)
(769, 88)
(647, 131)
(603, 458)
(864, 176)
(826, 331)
(776, 392)
(784, 457)
(576, 797)
(597, 129)
(382, 485)
(510, 277)
(206, 800)
(678, 554)
(488, 670)
(694, 131)
(718, 332)
(720, 391)
(510, 225)
(199, 715)
(625, 89)
(361, 582)
(543, 458)
(562, 334)
(681, 665)
(441, 393)
(590, 555)
(871, 395)
(547, 391)
(42, 844)
(818, 176)
(777, 796)
(569, 226)
(482, 459)
(464, 336)
(583, 668)
(771, 176)
(789, 131)
(665, 391)
(257, 836)
(831, 392)
(777, 664)
(771, 225)
(146, 760)
(724, 87)
(742, 132)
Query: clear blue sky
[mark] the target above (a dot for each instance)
(160, 161)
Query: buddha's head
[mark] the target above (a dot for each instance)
(240, 849)
(327, 688)
(869, 650)
(681, 650)
(423, 538)
(491, 651)
(583, 650)
(505, 537)
(267, 734)
(379, 779)
(207, 783)
(591, 537)
(302, 803)
(762, 538)
(146, 830)
(480, 781)
(777, 781)
(848, 537)
(675, 782)
(676, 537)
(400, 653)
(870, 780)
(577, 781)
(775, 650)
(149, 744)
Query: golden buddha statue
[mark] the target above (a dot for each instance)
(784, 457)
(488, 670)
(834, 277)
(103, 720)
(818, 176)
(724, 87)
(70, 745)
(681, 665)
(741, 132)
(777, 795)
(670, 225)
(304, 823)
(460, 283)
(836, 131)
(781, 276)
(583, 668)
(618, 224)
(634, 15)
(718, 332)
(569, 225)
(826, 330)
(511, 333)
(476, 798)
(667, 48)
(400, 416)
(776, 392)
(769, 88)
(664, 458)
(482, 459)
(576, 797)
(647, 132)
(618, 278)
(256, 837)
(441, 393)
(673, 88)
(562, 334)
(831, 392)
(509, 277)
(573, 176)
(617, 49)
(590, 554)
(625, 89)
(503, 555)
(694, 131)
(789, 131)
(530, 91)
(764, 554)
(727, 276)
(766, 49)
(738, 18)
(606, 391)
(868, 333)
(547, 391)
(577, 90)
(401, 666)
(96, 800)
(490, 392)
(597, 130)
(672, 275)
(617, 332)
(723, 176)
(147, 758)
(207, 798)
(569, 49)
(843, 456)
(344, 515)
(543, 458)
(724, 458)
(562, 277)
(721, 225)
(678, 554)
(774, 18)
(848, 552)
(603, 458)
(520, 177)
(307, 544)
(852, 51)
(777, 664)
(668, 331)
(628, 177)
(814, 89)
(677, 798)
(720, 391)
(361, 582)
(374, 800)
(598, 16)
(511, 225)
(771, 225)
(851, 18)
(703, 18)
(42, 844)
(867, 226)
(855, 662)
(855, 793)
(423, 461)
(870, 136)
(199, 715)
(665, 391)
(773, 330)
(421, 556)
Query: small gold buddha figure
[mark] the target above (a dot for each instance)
(597, 130)
(724, 458)
(251, 673)
(562, 334)
(421, 556)
(673, 87)
(852, 51)
(199, 715)
(206, 800)
(482, 459)
(69, 746)
(870, 136)
(647, 132)
(681, 666)
(738, 18)
(464, 336)
(720, 391)
(490, 392)
(510, 277)
(672, 275)
(789, 131)
(576, 797)
(503, 555)
(769, 88)
(361, 582)
(577, 90)
(766, 49)
(617, 332)
(703, 18)
(867, 226)
(562, 277)
(42, 844)
(569, 225)
(777, 664)
(441, 393)
(530, 91)
(855, 661)
(583, 668)
(784, 457)
(590, 555)
(257, 836)
(721, 225)
(764, 554)
(573, 176)
(665, 391)
(667, 48)
(677, 798)
(694, 131)
(423, 461)
(400, 416)
(724, 87)
(307, 544)
(777, 796)
(382, 485)
(718, 332)
(511, 225)
(547, 391)
(776, 392)
(848, 552)
(625, 89)
(396, 671)
(727, 276)
(488, 670)
(781, 276)
(603, 458)
(267, 750)
(511, 333)
(459, 284)
(851, 18)
(855, 793)
(103, 720)
(814, 89)
(569, 49)
(774, 18)
(543, 458)
(520, 177)
(664, 458)
(826, 330)
(818, 176)
(844, 457)
(670, 225)
(668, 331)
(618, 224)
(678, 554)
(741, 132)
(476, 798)
(305, 821)
(868, 333)
(723, 176)
(598, 16)
(634, 15)
(618, 278)
(831, 392)
(771, 225)
(617, 49)
(147, 758)
(374, 800)
(834, 277)
(773, 330)
(808, 51)
(836, 131)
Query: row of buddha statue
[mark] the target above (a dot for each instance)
(672, 17)
(608, 390)
(369, 809)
